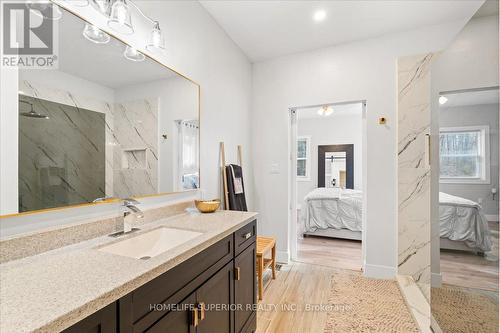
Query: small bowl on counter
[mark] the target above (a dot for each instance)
(207, 206)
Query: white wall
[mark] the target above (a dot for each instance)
(333, 130)
(475, 115)
(364, 70)
(197, 47)
(9, 137)
(470, 61)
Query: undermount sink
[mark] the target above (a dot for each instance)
(150, 244)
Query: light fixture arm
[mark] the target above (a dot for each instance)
(141, 12)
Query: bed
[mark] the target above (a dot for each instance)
(335, 212)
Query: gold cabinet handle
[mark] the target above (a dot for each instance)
(237, 273)
(194, 317)
(202, 311)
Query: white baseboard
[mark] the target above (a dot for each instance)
(493, 218)
(379, 271)
(282, 257)
(436, 280)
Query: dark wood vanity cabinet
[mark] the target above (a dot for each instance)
(103, 321)
(213, 291)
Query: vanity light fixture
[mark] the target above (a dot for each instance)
(442, 100)
(95, 35)
(102, 6)
(120, 19)
(78, 3)
(46, 10)
(132, 54)
(156, 41)
(325, 110)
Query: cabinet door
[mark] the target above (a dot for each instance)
(178, 321)
(103, 321)
(216, 297)
(244, 287)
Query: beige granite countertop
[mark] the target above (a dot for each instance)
(51, 291)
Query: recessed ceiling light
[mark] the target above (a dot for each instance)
(442, 100)
(319, 15)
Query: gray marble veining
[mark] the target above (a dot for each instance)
(124, 135)
(61, 159)
(414, 121)
(136, 150)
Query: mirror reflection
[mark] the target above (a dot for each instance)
(109, 122)
(335, 169)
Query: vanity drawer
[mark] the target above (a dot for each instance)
(244, 237)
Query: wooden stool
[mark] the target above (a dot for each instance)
(264, 244)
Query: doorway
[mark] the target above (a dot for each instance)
(326, 185)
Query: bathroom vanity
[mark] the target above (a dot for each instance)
(214, 291)
(206, 284)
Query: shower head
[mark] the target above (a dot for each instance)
(32, 113)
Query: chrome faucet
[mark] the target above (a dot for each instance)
(130, 215)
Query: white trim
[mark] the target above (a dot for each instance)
(436, 280)
(379, 271)
(485, 151)
(282, 257)
(492, 218)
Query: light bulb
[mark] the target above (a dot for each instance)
(442, 100)
(132, 54)
(325, 110)
(95, 34)
(156, 41)
(120, 19)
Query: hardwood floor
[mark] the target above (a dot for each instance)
(457, 267)
(296, 284)
(332, 252)
(470, 270)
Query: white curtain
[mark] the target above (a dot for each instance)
(189, 153)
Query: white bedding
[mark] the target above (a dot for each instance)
(460, 219)
(332, 208)
(463, 220)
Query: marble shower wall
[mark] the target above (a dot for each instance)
(135, 153)
(414, 119)
(61, 159)
(79, 101)
(131, 151)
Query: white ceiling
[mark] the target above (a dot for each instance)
(102, 63)
(338, 110)
(267, 29)
(479, 97)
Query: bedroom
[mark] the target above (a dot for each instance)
(329, 183)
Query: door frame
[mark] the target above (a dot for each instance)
(292, 174)
(349, 162)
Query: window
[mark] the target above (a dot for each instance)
(464, 154)
(303, 158)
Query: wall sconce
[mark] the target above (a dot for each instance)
(493, 193)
